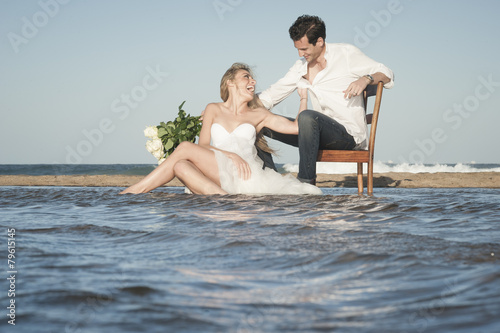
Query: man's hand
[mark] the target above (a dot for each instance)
(356, 88)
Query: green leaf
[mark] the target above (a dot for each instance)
(183, 128)
(180, 106)
(161, 132)
(169, 144)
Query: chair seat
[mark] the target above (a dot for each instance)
(361, 156)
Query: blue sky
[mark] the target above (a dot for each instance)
(80, 80)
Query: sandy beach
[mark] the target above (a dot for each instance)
(392, 179)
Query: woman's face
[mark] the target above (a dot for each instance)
(244, 83)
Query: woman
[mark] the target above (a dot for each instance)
(230, 164)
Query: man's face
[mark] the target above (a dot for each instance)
(308, 51)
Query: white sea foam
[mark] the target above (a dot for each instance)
(382, 167)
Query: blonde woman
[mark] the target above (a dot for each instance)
(225, 159)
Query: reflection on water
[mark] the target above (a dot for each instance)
(404, 260)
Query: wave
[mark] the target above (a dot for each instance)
(383, 167)
(322, 167)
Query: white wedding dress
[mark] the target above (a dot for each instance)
(262, 181)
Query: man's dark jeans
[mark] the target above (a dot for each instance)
(316, 131)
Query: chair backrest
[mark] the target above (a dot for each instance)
(373, 90)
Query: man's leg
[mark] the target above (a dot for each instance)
(267, 158)
(289, 139)
(318, 131)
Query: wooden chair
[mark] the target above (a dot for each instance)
(360, 156)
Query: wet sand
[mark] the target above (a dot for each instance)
(391, 179)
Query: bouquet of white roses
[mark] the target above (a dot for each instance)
(167, 136)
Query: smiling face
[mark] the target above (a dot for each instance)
(237, 78)
(243, 83)
(310, 52)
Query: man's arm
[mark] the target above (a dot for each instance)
(361, 66)
(377, 77)
(357, 87)
(283, 87)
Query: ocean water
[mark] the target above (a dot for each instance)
(403, 260)
(382, 167)
(322, 167)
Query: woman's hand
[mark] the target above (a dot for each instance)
(244, 171)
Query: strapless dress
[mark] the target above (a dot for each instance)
(262, 181)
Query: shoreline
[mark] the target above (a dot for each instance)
(390, 179)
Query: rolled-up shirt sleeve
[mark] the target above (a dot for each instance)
(360, 65)
(283, 87)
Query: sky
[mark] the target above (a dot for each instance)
(80, 80)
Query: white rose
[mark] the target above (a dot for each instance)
(161, 160)
(157, 144)
(158, 154)
(151, 132)
(154, 145)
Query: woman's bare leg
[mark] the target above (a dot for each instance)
(201, 157)
(195, 180)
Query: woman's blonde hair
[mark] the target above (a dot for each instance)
(229, 75)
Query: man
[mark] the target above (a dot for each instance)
(335, 76)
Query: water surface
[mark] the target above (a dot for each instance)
(404, 260)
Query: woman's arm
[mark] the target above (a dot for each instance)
(207, 120)
(281, 124)
(303, 99)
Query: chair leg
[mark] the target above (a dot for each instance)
(370, 178)
(360, 178)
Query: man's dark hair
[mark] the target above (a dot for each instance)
(311, 26)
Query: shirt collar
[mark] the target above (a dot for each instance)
(327, 52)
(303, 67)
